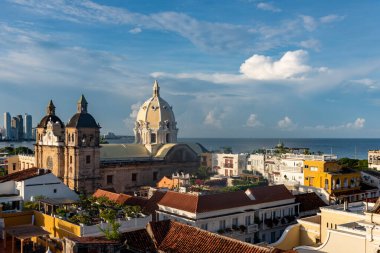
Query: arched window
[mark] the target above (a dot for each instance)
(167, 138)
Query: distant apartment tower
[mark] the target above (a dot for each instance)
(28, 127)
(7, 125)
(15, 123)
(20, 129)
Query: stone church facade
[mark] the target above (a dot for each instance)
(74, 154)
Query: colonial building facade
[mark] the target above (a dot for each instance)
(74, 154)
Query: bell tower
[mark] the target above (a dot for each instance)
(82, 154)
(49, 147)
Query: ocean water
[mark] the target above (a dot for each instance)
(352, 148)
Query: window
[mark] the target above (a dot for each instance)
(88, 159)
(109, 179)
(14, 166)
(204, 226)
(327, 225)
(155, 175)
(71, 159)
(134, 177)
(313, 168)
(273, 236)
(247, 220)
(263, 238)
(167, 138)
(153, 138)
(235, 222)
(222, 224)
(55, 190)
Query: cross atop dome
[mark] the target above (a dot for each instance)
(156, 89)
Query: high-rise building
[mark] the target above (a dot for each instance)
(7, 126)
(20, 129)
(15, 126)
(27, 127)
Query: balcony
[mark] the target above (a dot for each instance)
(228, 165)
(253, 228)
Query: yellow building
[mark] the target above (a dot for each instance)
(330, 176)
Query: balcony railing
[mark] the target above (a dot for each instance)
(228, 165)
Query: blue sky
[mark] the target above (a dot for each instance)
(240, 68)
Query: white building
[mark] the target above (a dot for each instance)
(229, 164)
(374, 159)
(256, 163)
(371, 177)
(30, 183)
(291, 171)
(256, 215)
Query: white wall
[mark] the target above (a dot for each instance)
(8, 188)
(47, 185)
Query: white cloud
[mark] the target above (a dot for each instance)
(291, 65)
(286, 123)
(252, 121)
(311, 44)
(331, 18)
(130, 121)
(267, 7)
(369, 83)
(309, 23)
(357, 124)
(212, 120)
(135, 30)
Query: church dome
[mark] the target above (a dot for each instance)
(82, 119)
(155, 122)
(155, 110)
(50, 116)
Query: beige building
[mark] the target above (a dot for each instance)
(74, 154)
(20, 162)
(353, 227)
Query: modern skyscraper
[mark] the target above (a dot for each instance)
(20, 129)
(7, 125)
(28, 127)
(15, 125)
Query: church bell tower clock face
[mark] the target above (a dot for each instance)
(49, 163)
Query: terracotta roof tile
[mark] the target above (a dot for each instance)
(139, 240)
(212, 202)
(120, 198)
(309, 201)
(171, 236)
(24, 174)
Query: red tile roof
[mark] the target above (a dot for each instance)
(309, 201)
(211, 202)
(172, 236)
(120, 198)
(24, 174)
